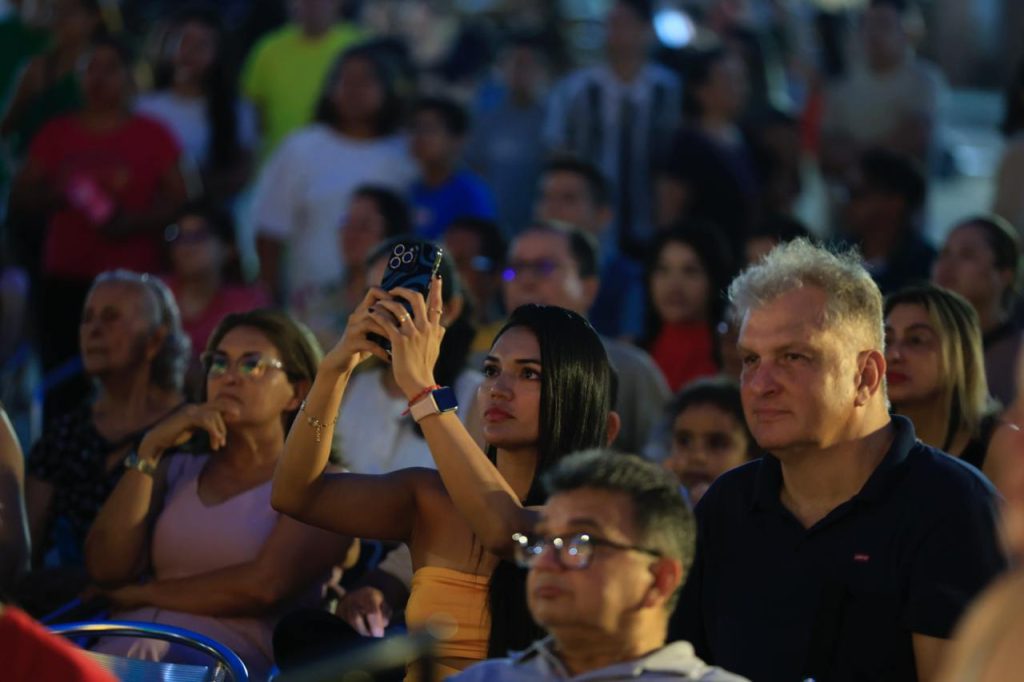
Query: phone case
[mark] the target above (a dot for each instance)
(411, 265)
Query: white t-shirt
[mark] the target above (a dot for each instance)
(304, 191)
(869, 106)
(372, 435)
(186, 118)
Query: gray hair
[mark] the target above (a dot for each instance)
(853, 297)
(168, 368)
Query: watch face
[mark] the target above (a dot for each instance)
(445, 399)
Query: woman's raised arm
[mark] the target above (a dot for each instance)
(380, 507)
(481, 494)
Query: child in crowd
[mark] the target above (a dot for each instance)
(709, 434)
(444, 191)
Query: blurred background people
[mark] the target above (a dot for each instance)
(617, 115)
(981, 261)
(206, 276)
(505, 146)
(284, 73)
(104, 181)
(307, 184)
(445, 189)
(576, 192)
(196, 97)
(710, 174)
(687, 274)
(14, 537)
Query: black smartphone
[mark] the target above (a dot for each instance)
(411, 265)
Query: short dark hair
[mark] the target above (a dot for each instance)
(597, 184)
(663, 521)
(895, 173)
(299, 349)
(391, 206)
(583, 247)
(492, 242)
(453, 115)
(719, 392)
(1002, 239)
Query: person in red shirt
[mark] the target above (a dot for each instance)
(104, 182)
(687, 271)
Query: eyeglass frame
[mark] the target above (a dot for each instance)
(263, 363)
(522, 543)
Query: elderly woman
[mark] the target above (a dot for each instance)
(198, 529)
(135, 351)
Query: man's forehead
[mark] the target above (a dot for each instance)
(541, 242)
(588, 509)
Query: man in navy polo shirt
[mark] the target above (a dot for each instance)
(850, 551)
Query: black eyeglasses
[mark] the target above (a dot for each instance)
(250, 365)
(573, 552)
(173, 234)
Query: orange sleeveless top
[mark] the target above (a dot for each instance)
(453, 605)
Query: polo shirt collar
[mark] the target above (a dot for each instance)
(769, 476)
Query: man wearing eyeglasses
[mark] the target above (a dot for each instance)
(557, 264)
(605, 565)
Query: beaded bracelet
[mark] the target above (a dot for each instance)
(317, 425)
(420, 396)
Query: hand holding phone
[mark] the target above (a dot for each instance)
(412, 264)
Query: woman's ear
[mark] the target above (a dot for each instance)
(300, 389)
(453, 309)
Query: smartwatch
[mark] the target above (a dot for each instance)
(436, 402)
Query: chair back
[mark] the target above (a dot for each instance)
(225, 665)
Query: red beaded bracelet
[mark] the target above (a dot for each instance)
(420, 396)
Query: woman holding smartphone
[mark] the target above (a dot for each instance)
(546, 394)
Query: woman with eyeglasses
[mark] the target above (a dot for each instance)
(189, 538)
(935, 371)
(546, 394)
(206, 276)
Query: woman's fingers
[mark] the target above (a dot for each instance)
(403, 321)
(416, 302)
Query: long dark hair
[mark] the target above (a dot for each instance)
(219, 86)
(392, 109)
(1013, 112)
(713, 254)
(575, 398)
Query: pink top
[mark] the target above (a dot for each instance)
(191, 538)
(231, 298)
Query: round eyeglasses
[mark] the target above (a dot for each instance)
(572, 551)
(250, 365)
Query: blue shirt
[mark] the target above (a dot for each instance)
(905, 555)
(462, 195)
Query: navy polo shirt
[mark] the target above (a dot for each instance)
(905, 555)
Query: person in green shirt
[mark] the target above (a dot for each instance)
(284, 73)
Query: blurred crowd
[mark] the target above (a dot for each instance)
(198, 202)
